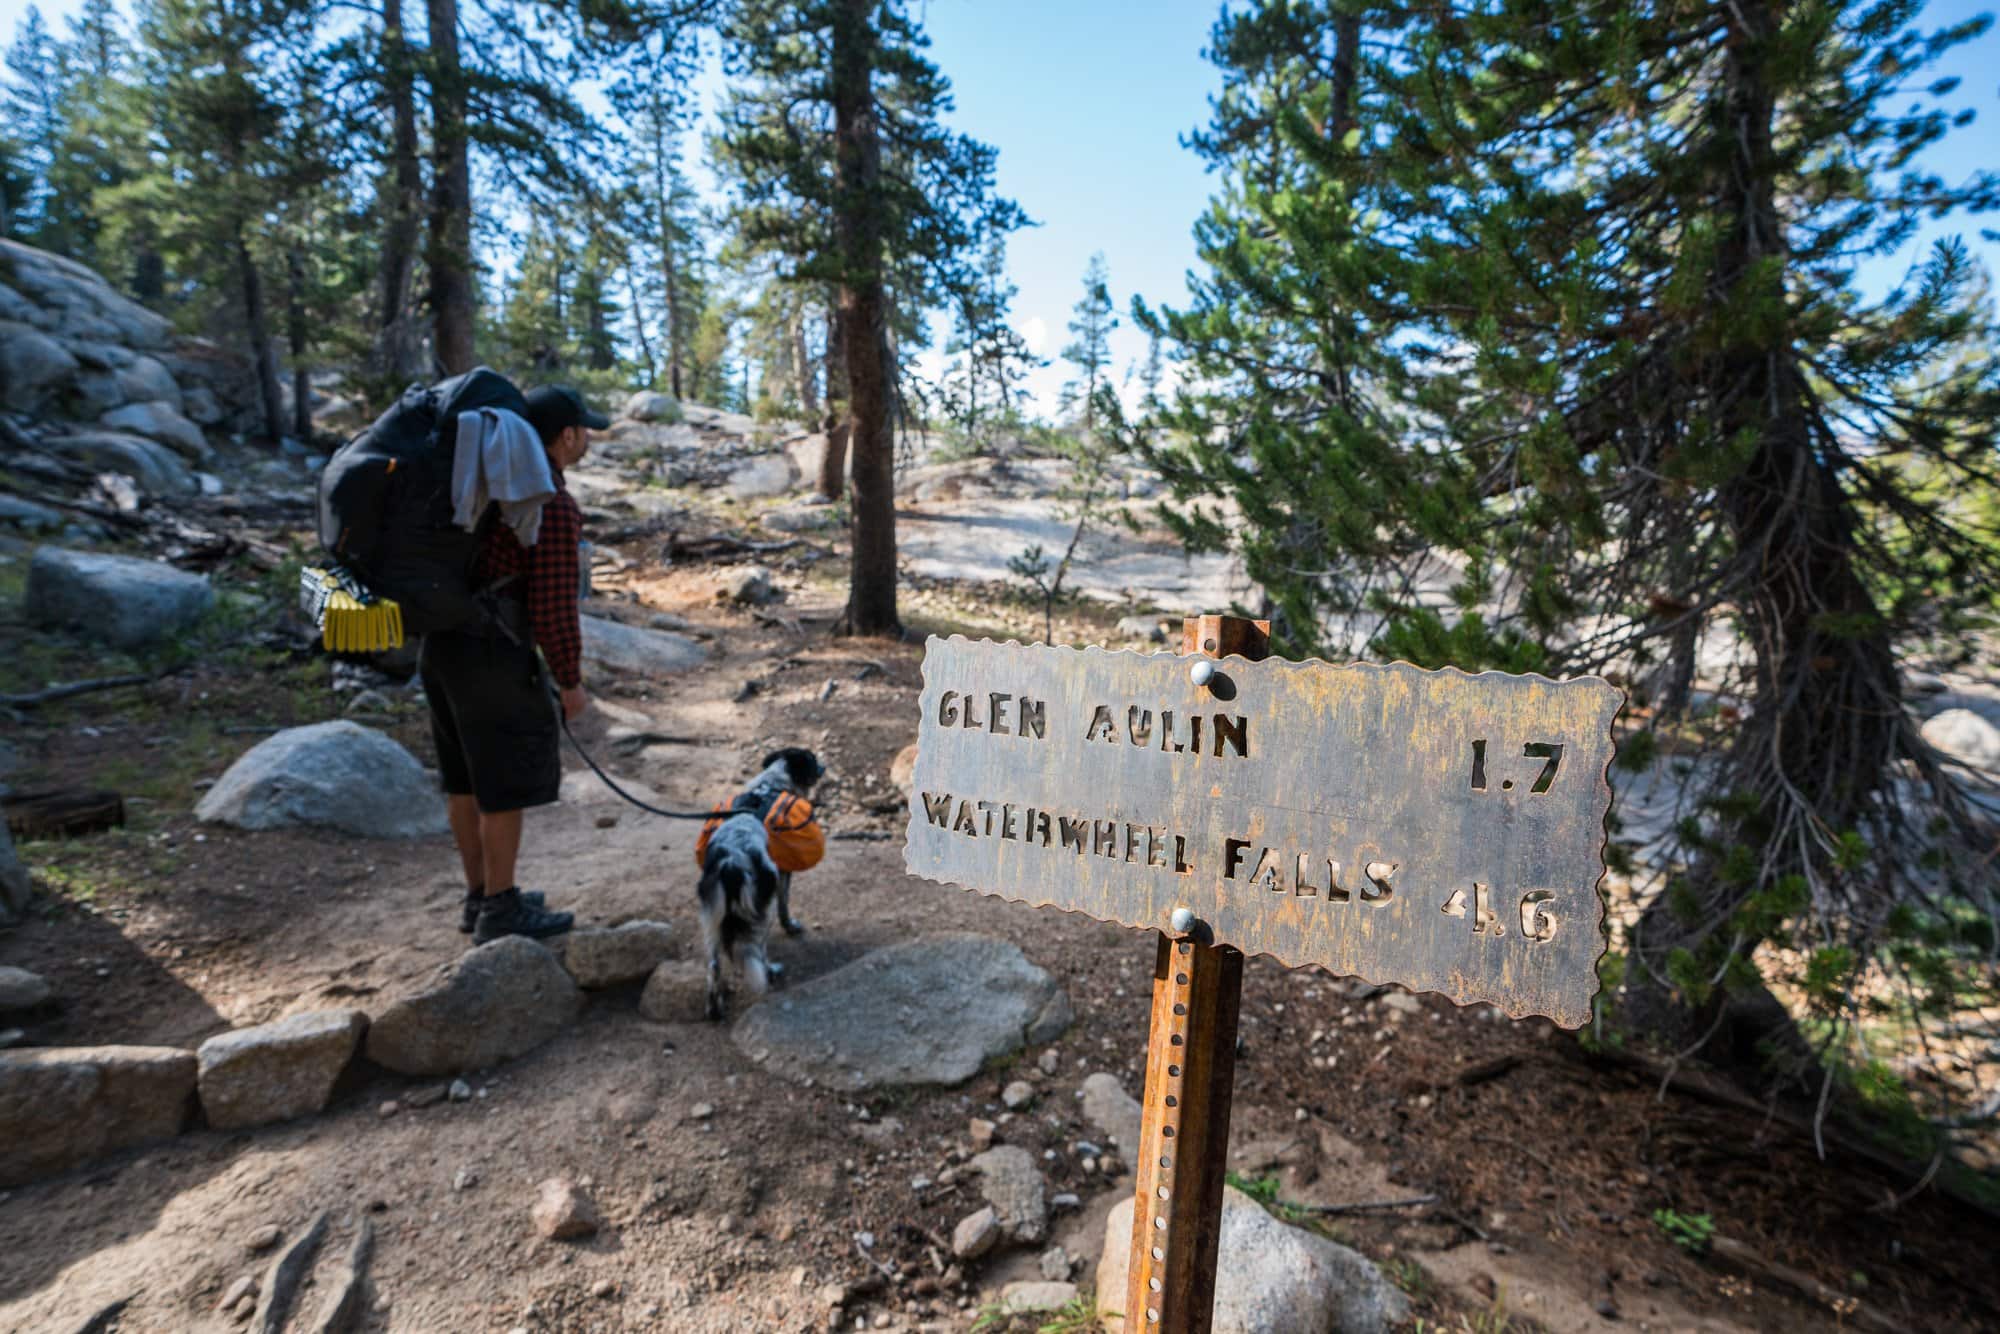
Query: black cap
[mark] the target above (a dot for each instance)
(553, 408)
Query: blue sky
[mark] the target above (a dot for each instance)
(1087, 101)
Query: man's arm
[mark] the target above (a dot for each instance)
(552, 590)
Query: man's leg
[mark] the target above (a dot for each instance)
(500, 842)
(465, 831)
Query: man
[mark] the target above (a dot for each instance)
(495, 728)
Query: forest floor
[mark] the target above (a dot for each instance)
(1558, 1175)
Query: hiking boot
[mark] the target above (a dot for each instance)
(510, 914)
(476, 899)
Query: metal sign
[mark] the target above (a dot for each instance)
(1433, 829)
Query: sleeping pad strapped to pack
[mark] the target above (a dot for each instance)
(385, 507)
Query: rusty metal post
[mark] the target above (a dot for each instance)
(1190, 1075)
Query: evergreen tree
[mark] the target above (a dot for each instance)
(1090, 353)
(1561, 298)
(843, 167)
(985, 389)
(34, 120)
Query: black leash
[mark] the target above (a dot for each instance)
(612, 783)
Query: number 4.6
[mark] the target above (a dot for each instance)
(1551, 752)
(1538, 919)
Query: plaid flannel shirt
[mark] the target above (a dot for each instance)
(546, 579)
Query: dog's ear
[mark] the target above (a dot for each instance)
(773, 758)
(805, 766)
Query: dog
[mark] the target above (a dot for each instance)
(742, 888)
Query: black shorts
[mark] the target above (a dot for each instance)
(493, 720)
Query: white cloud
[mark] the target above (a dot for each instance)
(1034, 332)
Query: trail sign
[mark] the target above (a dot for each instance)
(1428, 828)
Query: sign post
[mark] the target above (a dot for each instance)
(1433, 829)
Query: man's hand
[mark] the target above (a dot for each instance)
(574, 702)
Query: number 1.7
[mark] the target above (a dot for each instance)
(1550, 751)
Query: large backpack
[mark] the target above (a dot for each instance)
(385, 508)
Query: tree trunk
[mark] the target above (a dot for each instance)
(1826, 719)
(450, 250)
(639, 318)
(398, 351)
(669, 262)
(295, 319)
(833, 464)
(871, 594)
(802, 366)
(258, 333)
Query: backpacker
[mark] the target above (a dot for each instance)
(385, 503)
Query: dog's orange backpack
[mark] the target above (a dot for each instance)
(797, 841)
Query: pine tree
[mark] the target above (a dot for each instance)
(36, 77)
(984, 390)
(843, 168)
(1090, 353)
(1560, 298)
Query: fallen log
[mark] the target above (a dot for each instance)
(1847, 1309)
(62, 813)
(69, 689)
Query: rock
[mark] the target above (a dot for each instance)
(245, 1286)
(1036, 1295)
(32, 366)
(1054, 1019)
(276, 1071)
(465, 1178)
(496, 1001)
(82, 303)
(628, 648)
(929, 1011)
(563, 1212)
(1271, 1278)
(201, 407)
(976, 1234)
(264, 1238)
(95, 392)
(1065, 1202)
(903, 769)
(62, 1106)
(808, 455)
(1012, 1183)
(21, 989)
(1049, 1062)
(757, 478)
(980, 1132)
(30, 517)
(388, 1109)
(1017, 1095)
(1111, 1109)
(458, 1091)
(676, 993)
(647, 406)
(160, 421)
(340, 775)
(368, 701)
(1055, 1264)
(1401, 1002)
(158, 470)
(145, 380)
(746, 585)
(1149, 628)
(121, 601)
(605, 957)
(803, 517)
(701, 1111)
(1967, 737)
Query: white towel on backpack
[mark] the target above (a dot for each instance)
(499, 459)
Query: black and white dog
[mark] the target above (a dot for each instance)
(741, 887)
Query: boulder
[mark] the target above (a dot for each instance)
(1011, 1184)
(746, 586)
(1149, 628)
(118, 600)
(200, 406)
(606, 956)
(21, 989)
(804, 516)
(630, 648)
(903, 769)
(492, 1003)
(276, 1071)
(676, 993)
(32, 367)
(147, 380)
(82, 304)
(769, 475)
(160, 421)
(15, 883)
(1112, 1110)
(808, 456)
(30, 517)
(15, 307)
(94, 392)
(1965, 736)
(157, 469)
(932, 1010)
(62, 1106)
(1270, 1278)
(339, 774)
(976, 1234)
(647, 406)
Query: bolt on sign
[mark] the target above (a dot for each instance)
(1427, 828)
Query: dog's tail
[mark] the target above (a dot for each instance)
(737, 927)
